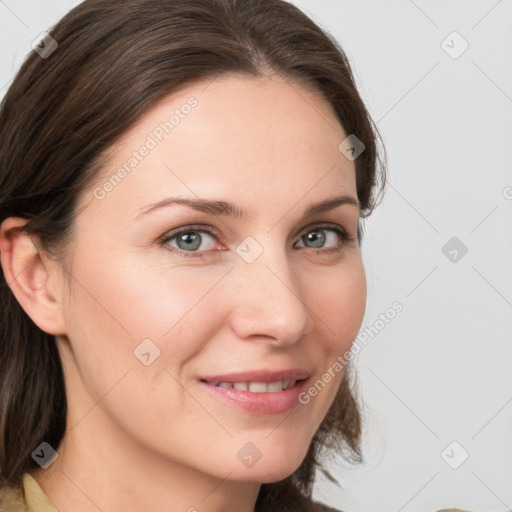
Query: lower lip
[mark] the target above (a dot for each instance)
(259, 403)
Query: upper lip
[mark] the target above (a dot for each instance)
(260, 376)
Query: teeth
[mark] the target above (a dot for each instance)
(257, 387)
(275, 386)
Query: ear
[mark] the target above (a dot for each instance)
(35, 281)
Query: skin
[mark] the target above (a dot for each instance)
(150, 437)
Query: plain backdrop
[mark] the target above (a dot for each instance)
(436, 383)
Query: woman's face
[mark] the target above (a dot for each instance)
(152, 314)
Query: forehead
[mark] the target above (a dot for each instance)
(239, 137)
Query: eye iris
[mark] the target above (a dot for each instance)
(317, 237)
(191, 239)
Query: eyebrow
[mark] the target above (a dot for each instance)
(217, 207)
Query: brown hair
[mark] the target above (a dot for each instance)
(114, 60)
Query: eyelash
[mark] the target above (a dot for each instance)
(345, 237)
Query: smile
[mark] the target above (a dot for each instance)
(260, 398)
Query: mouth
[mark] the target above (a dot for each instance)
(256, 397)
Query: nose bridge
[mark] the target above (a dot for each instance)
(269, 301)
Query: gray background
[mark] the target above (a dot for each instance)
(439, 372)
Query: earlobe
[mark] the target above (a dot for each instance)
(27, 273)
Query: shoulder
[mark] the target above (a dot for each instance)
(28, 498)
(12, 500)
(320, 507)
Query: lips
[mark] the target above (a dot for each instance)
(258, 392)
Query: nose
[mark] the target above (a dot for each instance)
(269, 301)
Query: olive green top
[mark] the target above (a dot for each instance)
(31, 498)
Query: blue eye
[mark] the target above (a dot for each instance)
(188, 240)
(318, 237)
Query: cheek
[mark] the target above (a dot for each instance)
(117, 305)
(121, 301)
(146, 300)
(338, 302)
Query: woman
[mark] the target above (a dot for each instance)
(181, 190)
